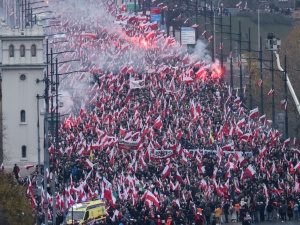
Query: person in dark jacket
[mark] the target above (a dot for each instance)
(207, 213)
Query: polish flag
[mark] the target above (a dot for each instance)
(186, 21)
(283, 103)
(89, 164)
(254, 113)
(266, 190)
(241, 123)
(151, 197)
(271, 92)
(297, 167)
(259, 82)
(227, 147)
(179, 178)
(286, 142)
(27, 167)
(166, 172)
(262, 118)
(210, 38)
(194, 26)
(236, 187)
(240, 158)
(179, 17)
(158, 123)
(250, 171)
(237, 100)
(203, 33)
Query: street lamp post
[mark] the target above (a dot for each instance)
(258, 23)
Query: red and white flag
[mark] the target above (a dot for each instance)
(259, 82)
(27, 167)
(241, 123)
(271, 92)
(158, 123)
(166, 172)
(151, 197)
(283, 103)
(286, 142)
(250, 171)
(253, 113)
(89, 164)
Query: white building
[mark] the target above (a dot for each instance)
(22, 63)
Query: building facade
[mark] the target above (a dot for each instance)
(22, 63)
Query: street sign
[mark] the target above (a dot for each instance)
(130, 6)
(155, 14)
(188, 36)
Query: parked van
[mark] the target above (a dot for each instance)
(86, 212)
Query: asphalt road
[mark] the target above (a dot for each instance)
(277, 222)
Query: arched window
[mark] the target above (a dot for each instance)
(11, 51)
(33, 50)
(23, 116)
(24, 151)
(22, 51)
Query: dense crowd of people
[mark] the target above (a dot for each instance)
(161, 130)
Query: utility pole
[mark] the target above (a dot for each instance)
(240, 60)
(261, 77)
(285, 96)
(46, 151)
(249, 65)
(212, 17)
(230, 40)
(273, 98)
(221, 37)
(205, 11)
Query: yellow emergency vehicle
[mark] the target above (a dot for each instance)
(86, 212)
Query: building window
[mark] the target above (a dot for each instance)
(23, 116)
(11, 51)
(22, 51)
(24, 151)
(33, 50)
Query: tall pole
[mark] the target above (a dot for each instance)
(249, 63)
(221, 37)
(205, 11)
(273, 98)
(135, 7)
(196, 19)
(212, 17)
(39, 146)
(285, 93)
(240, 60)
(261, 77)
(230, 40)
(46, 151)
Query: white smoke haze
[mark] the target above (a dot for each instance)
(105, 54)
(201, 53)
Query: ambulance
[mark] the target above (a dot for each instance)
(85, 213)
